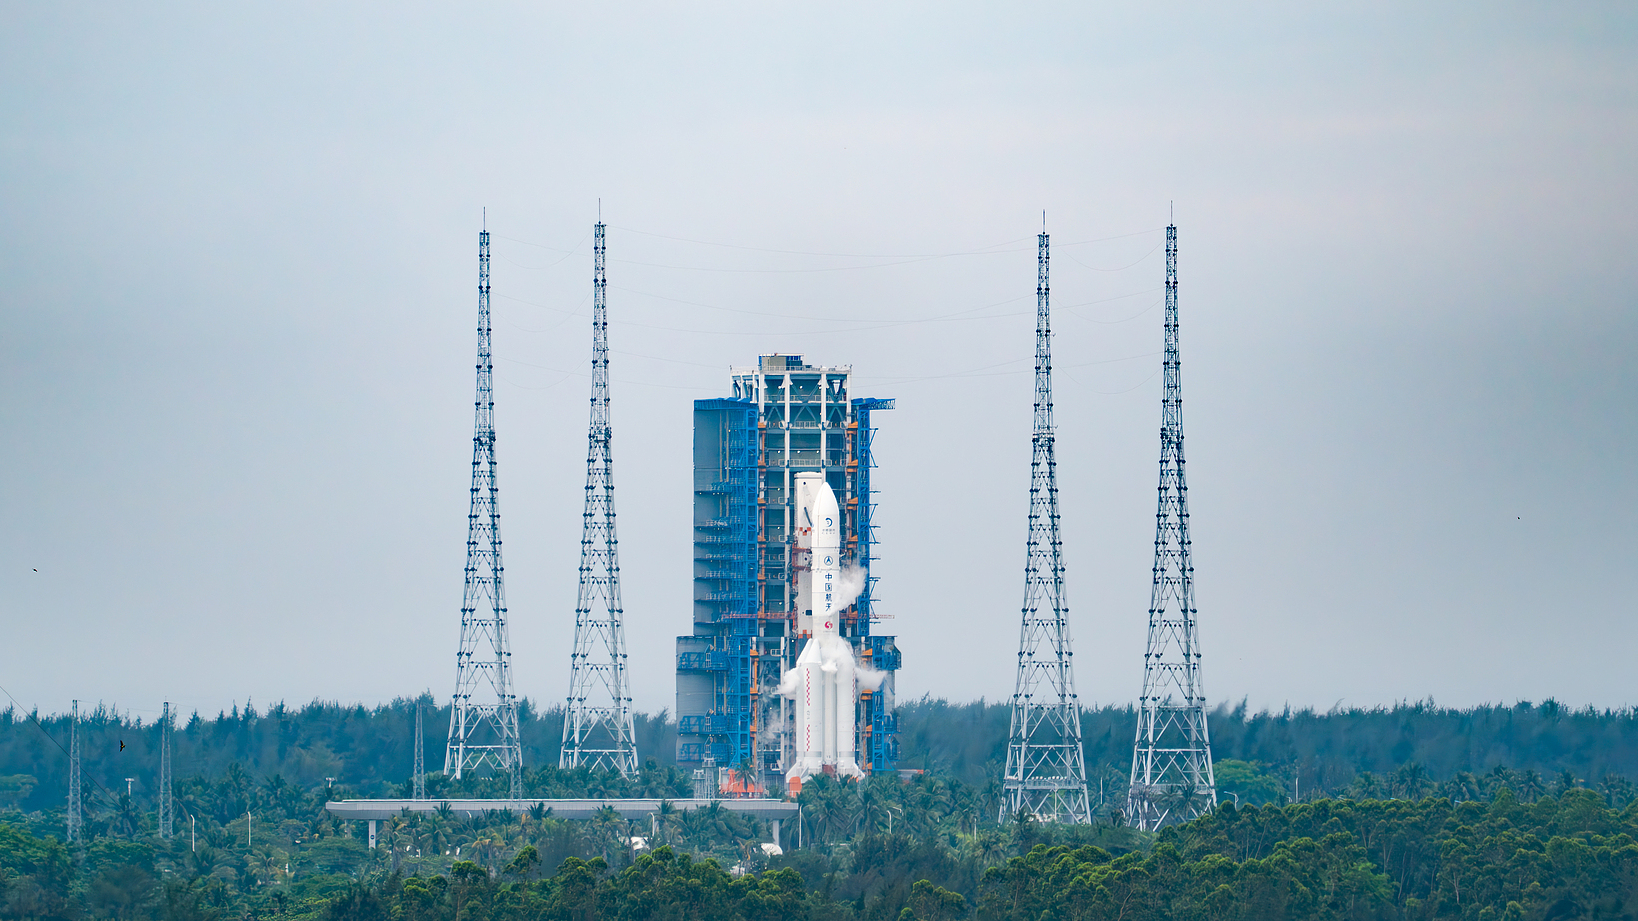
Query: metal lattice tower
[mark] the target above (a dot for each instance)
(1046, 766)
(419, 784)
(76, 808)
(167, 811)
(598, 729)
(1171, 758)
(483, 732)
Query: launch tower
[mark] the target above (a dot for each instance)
(752, 569)
(1171, 758)
(1046, 766)
(483, 721)
(597, 728)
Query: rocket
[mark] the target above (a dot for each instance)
(824, 682)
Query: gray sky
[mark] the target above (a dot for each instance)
(237, 262)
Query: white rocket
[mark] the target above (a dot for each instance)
(824, 682)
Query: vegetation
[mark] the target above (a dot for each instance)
(1403, 813)
(1294, 754)
(1562, 854)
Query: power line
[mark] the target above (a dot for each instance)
(43, 731)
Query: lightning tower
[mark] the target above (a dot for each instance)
(1046, 766)
(76, 809)
(597, 728)
(483, 732)
(418, 787)
(1171, 759)
(167, 811)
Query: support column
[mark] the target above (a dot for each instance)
(372, 834)
(775, 824)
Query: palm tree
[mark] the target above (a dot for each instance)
(666, 812)
(485, 848)
(747, 773)
(127, 821)
(1530, 786)
(605, 824)
(265, 864)
(203, 861)
(992, 848)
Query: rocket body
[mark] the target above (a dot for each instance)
(825, 686)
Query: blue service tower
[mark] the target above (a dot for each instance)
(751, 571)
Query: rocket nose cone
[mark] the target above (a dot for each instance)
(826, 513)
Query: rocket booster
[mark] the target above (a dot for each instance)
(826, 689)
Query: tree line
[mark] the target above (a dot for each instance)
(1506, 854)
(1263, 756)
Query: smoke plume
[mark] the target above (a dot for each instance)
(869, 678)
(849, 583)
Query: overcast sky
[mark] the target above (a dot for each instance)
(237, 271)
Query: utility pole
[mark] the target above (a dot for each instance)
(1171, 757)
(484, 733)
(76, 809)
(166, 807)
(1046, 767)
(597, 728)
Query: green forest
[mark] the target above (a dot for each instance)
(1412, 811)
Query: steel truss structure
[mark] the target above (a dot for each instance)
(598, 729)
(167, 808)
(1171, 758)
(76, 806)
(1046, 766)
(483, 721)
(419, 784)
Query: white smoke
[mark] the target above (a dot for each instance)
(788, 683)
(833, 652)
(850, 582)
(869, 678)
(773, 727)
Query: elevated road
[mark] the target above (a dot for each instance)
(376, 809)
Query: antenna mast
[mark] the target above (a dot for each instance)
(1171, 758)
(167, 812)
(76, 809)
(419, 784)
(597, 728)
(1046, 766)
(484, 733)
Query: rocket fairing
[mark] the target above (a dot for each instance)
(824, 681)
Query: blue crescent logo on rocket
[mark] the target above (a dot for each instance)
(830, 522)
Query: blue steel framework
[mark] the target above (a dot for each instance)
(726, 574)
(879, 731)
(748, 572)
